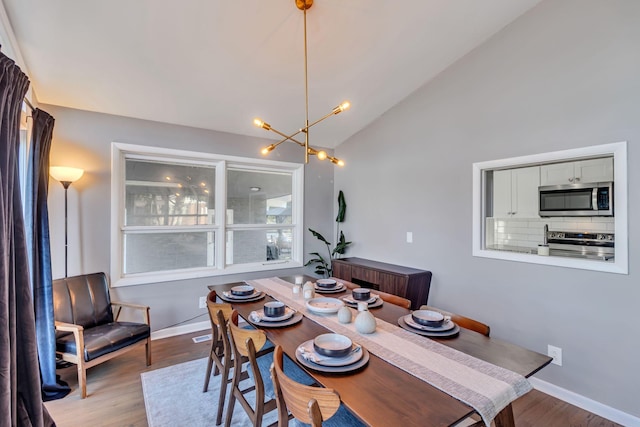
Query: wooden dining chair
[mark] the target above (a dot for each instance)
(317, 406)
(220, 355)
(386, 297)
(246, 345)
(463, 322)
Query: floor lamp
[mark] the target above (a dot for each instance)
(66, 176)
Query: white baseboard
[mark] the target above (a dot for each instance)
(585, 403)
(180, 330)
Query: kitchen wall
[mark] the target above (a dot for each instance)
(83, 139)
(564, 75)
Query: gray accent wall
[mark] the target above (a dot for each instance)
(564, 75)
(83, 139)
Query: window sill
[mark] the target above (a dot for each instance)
(170, 276)
(584, 264)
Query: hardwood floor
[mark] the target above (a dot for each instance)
(115, 392)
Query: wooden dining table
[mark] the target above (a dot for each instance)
(381, 394)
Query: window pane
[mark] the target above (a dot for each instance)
(257, 197)
(168, 194)
(168, 251)
(247, 246)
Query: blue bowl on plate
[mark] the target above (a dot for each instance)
(242, 290)
(326, 283)
(361, 294)
(274, 309)
(428, 318)
(332, 345)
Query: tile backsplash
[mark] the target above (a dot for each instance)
(529, 232)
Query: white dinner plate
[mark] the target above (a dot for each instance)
(434, 334)
(442, 328)
(350, 359)
(338, 288)
(374, 301)
(228, 297)
(324, 305)
(287, 315)
(297, 317)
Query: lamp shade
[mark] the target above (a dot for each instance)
(65, 174)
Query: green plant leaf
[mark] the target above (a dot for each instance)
(342, 207)
(341, 247)
(319, 236)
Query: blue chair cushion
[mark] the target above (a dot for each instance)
(292, 370)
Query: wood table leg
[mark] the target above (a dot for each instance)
(505, 417)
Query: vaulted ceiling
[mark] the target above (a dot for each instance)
(218, 64)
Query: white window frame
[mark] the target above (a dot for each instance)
(122, 151)
(619, 152)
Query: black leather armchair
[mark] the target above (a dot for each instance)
(87, 328)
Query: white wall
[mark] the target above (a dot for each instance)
(83, 139)
(564, 75)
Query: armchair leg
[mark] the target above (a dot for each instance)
(82, 380)
(148, 347)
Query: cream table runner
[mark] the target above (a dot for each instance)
(485, 387)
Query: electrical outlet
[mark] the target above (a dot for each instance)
(409, 237)
(556, 353)
(202, 302)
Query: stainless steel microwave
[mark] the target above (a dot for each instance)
(588, 199)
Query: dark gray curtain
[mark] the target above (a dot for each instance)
(20, 398)
(39, 250)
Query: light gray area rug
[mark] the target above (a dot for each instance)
(173, 397)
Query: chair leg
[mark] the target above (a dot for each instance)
(148, 348)
(230, 406)
(224, 380)
(207, 376)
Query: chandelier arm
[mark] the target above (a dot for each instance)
(317, 121)
(286, 137)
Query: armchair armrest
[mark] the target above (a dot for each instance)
(120, 305)
(78, 336)
(68, 327)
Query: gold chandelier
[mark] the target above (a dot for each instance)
(309, 151)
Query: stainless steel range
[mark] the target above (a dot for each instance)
(600, 246)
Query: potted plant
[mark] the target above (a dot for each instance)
(323, 266)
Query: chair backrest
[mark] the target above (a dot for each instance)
(241, 338)
(213, 308)
(462, 321)
(301, 400)
(82, 300)
(394, 299)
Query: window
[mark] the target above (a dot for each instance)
(507, 226)
(179, 215)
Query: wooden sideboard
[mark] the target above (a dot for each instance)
(406, 282)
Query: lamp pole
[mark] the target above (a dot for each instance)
(66, 185)
(65, 175)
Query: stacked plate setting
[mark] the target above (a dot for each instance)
(332, 353)
(242, 293)
(328, 286)
(429, 323)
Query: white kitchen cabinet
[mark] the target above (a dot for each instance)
(581, 171)
(515, 193)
